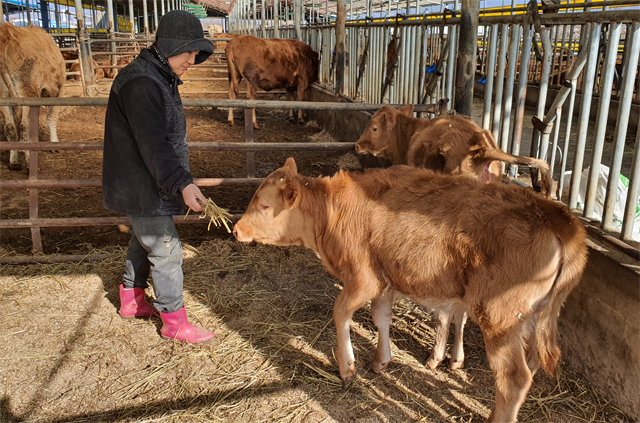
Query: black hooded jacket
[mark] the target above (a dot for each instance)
(145, 161)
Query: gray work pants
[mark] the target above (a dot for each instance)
(155, 248)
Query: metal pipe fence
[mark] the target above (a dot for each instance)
(524, 59)
(33, 183)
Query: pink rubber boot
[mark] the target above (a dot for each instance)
(176, 326)
(134, 304)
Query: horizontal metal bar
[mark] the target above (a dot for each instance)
(215, 102)
(88, 221)
(93, 183)
(195, 146)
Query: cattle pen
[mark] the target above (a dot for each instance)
(570, 97)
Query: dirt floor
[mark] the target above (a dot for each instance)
(66, 355)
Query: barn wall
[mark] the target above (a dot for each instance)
(600, 323)
(600, 328)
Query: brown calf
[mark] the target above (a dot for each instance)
(418, 233)
(268, 64)
(448, 144)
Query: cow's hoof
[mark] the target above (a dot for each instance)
(379, 367)
(432, 363)
(348, 381)
(455, 365)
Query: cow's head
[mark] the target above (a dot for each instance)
(379, 137)
(272, 216)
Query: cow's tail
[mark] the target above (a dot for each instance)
(573, 257)
(233, 73)
(541, 165)
(484, 150)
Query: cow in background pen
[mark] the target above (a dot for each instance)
(31, 65)
(268, 64)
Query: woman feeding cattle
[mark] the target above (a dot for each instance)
(146, 173)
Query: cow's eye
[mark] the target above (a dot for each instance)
(264, 207)
(374, 128)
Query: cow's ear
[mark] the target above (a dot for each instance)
(290, 165)
(290, 195)
(390, 116)
(406, 110)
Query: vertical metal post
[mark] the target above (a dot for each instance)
(466, 61)
(453, 31)
(263, 19)
(248, 137)
(84, 49)
(601, 119)
(626, 94)
(276, 18)
(502, 60)
(254, 21)
(28, 11)
(131, 21)
(297, 5)
(633, 192)
(34, 119)
(57, 15)
(155, 15)
(508, 90)
(521, 95)
(587, 94)
(340, 41)
(110, 34)
(162, 10)
(488, 93)
(145, 19)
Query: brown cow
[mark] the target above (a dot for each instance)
(74, 67)
(269, 64)
(448, 144)
(30, 66)
(419, 234)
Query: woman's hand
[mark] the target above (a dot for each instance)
(193, 197)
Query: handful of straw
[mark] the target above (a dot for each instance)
(217, 215)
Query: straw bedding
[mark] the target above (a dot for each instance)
(66, 355)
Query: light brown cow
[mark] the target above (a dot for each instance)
(269, 64)
(448, 144)
(30, 66)
(418, 233)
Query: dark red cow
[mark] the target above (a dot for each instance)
(268, 64)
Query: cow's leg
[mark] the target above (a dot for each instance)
(252, 90)
(442, 332)
(52, 121)
(512, 374)
(291, 97)
(382, 314)
(11, 133)
(302, 88)
(346, 304)
(23, 130)
(457, 351)
(233, 94)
